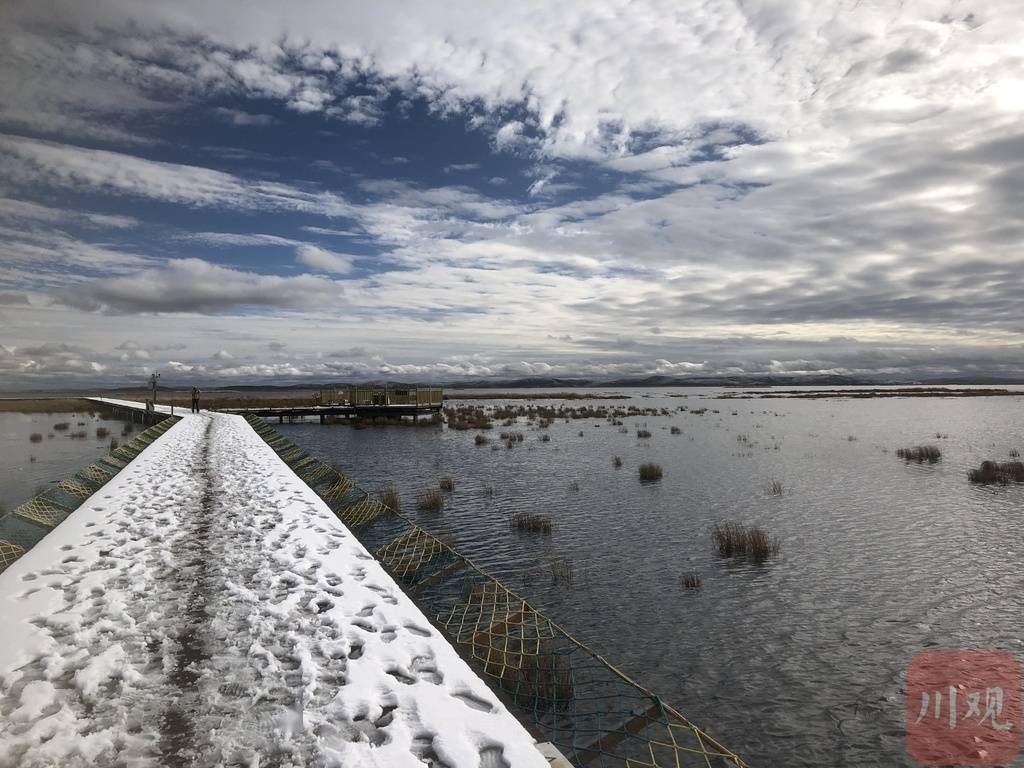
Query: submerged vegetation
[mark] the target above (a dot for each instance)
(532, 522)
(997, 472)
(738, 540)
(920, 454)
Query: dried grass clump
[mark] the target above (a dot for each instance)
(643, 433)
(920, 454)
(35, 437)
(738, 540)
(650, 472)
(389, 497)
(775, 488)
(531, 522)
(1014, 453)
(1001, 472)
(617, 462)
(481, 439)
(446, 484)
(692, 580)
(675, 431)
(79, 435)
(545, 438)
(61, 426)
(102, 433)
(430, 500)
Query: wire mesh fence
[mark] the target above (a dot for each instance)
(561, 690)
(26, 525)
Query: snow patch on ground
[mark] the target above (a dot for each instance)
(207, 608)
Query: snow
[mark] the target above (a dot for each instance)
(205, 607)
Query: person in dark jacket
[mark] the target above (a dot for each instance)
(195, 399)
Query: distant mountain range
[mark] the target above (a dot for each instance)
(560, 383)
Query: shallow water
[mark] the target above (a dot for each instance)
(799, 662)
(56, 457)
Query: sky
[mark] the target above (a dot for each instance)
(267, 192)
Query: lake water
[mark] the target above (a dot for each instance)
(797, 662)
(57, 456)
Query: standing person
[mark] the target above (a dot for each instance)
(195, 399)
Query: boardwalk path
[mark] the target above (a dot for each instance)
(206, 608)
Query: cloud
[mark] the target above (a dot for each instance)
(323, 260)
(241, 117)
(740, 173)
(29, 211)
(12, 298)
(193, 285)
(102, 171)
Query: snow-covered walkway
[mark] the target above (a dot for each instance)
(206, 608)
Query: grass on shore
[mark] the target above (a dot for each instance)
(46, 405)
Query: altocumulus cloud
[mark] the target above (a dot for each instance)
(730, 174)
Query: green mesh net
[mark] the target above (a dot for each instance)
(561, 690)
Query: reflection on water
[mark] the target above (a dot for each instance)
(798, 662)
(26, 465)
